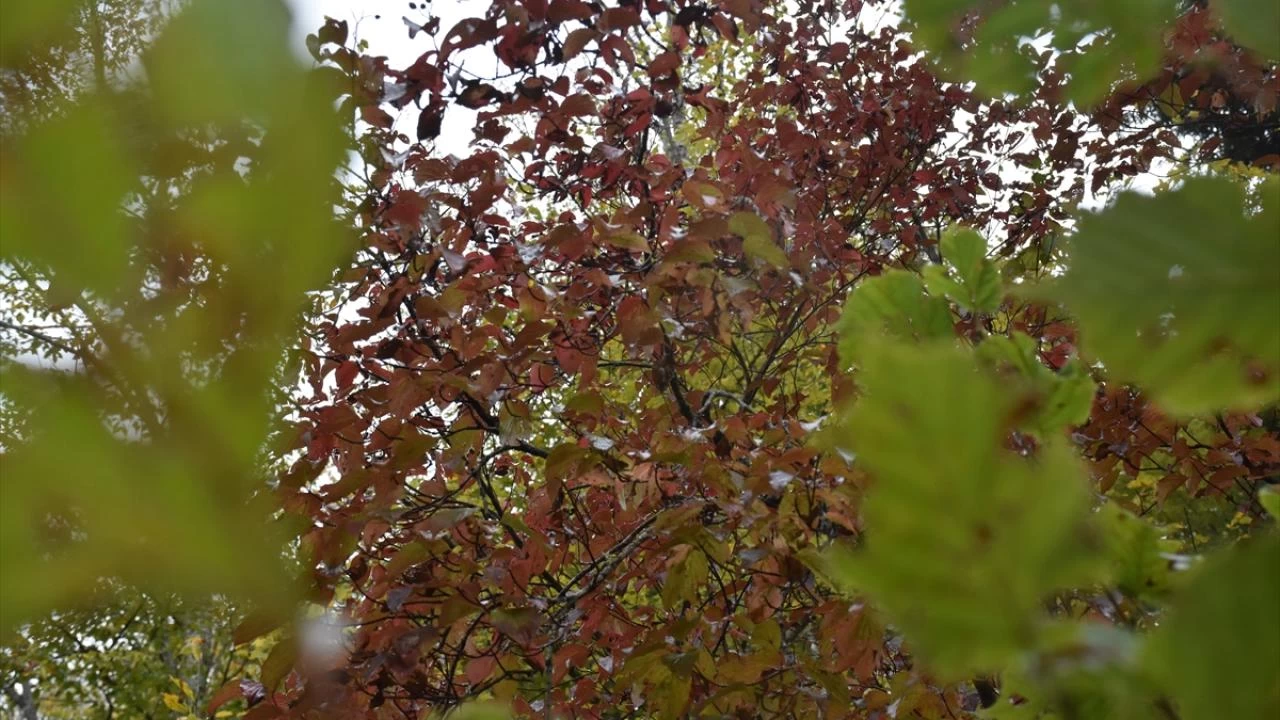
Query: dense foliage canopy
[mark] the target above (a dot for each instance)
(741, 359)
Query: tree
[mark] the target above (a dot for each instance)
(54, 52)
(132, 656)
(748, 363)
(561, 439)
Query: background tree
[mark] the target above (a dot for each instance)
(133, 656)
(56, 52)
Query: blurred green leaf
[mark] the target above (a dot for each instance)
(1252, 23)
(1269, 496)
(65, 183)
(1056, 399)
(180, 225)
(1218, 652)
(28, 25)
(894, 304)
(1097, 43)
(954, 515)
(977, 287)
(223, 61)
(757, 239)
(1178, 293)
(1090, 669)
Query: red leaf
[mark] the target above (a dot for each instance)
(429, 121)
(664, 64)
(576, 41)
(347, 372)
(225, 694)
(562, 10)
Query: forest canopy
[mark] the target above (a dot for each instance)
(640, 359)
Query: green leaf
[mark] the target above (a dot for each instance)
(757, 239)
(1252, 23)
(626, 240)
(979, 289)
(684, 577)
(1269, 496)
(1069, 401)
(1218, 652)
(480, 711)
(895, 304)
(1097, 43)
(279, 663)
(172, 702)
(1058, 398)
(1178, 294)
(1134, 552)
(954, 515)
(674, 696)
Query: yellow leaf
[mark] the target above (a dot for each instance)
(757, 239)
(172, 702)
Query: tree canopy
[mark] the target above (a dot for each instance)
(831, 359)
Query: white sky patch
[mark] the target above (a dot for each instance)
(382, 24)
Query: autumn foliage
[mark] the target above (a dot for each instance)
(748, 362)
(559, 431)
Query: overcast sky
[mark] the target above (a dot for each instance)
(382, 24)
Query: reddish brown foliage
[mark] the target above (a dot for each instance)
(562, 456)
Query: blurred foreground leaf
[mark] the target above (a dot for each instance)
(1253, 23)
(178, 228)
(1055, 399)
(953, 514)
(1218, 652)
(1178, 293)
(892, 304)
(1098, 43)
